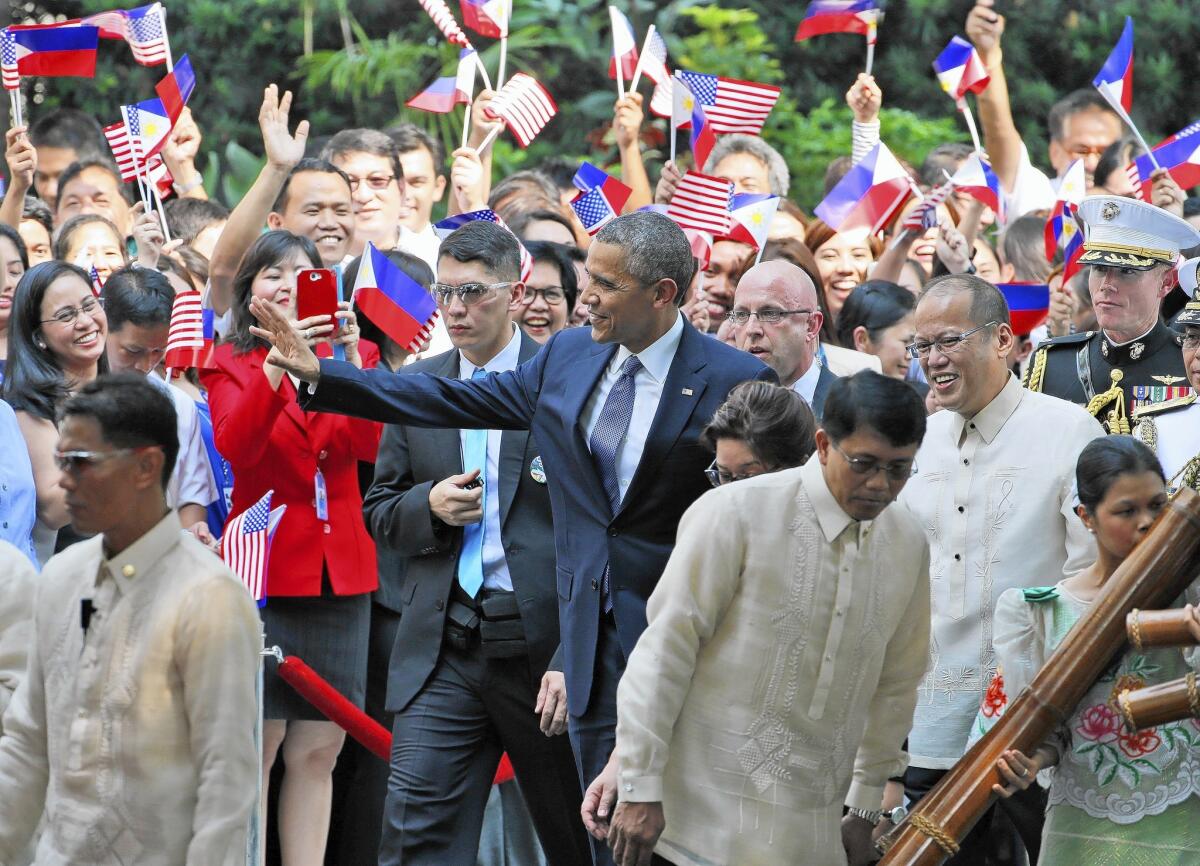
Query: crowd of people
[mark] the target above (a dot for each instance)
(733, 557)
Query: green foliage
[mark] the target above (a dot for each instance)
(230, 178)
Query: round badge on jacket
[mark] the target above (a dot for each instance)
(536, 472)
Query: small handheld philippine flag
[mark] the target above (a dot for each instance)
(960, 70)
(976, 178)
(752, 214)
(1115, 80)
(870, 193)
(47, 50)
(1028, 304)
(1061, 228)
(839, 16)
(1179, 154)
(624, 45)
(393, 300)
(445, 93)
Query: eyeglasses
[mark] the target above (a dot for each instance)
(552, 295)
(374, 181)
(716, 477)
(468, 293)
(68, 315)
(1191, 340)
(900, 470)
(945, 345)
(77, 461)
(766, 317)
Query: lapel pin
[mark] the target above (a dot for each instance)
(536, 472)
(687, 392)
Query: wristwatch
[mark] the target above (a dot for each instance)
(896, 815)
(872, 816)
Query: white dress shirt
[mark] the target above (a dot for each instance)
(806, 385)
(18, 581)
(995, 495)
(192, 481)
(423, 244)
(1176, 438)
(495, 566)
(648, 387)
(777, 675)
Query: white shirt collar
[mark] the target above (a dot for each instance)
(657, 357)
(506, 359)
(806, 385)
(831, 517)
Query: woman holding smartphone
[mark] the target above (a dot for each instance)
(321, 571)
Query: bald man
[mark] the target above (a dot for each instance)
(776, 319)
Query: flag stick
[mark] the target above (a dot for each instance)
(966, 111)
(162, 211)
(15, 99)
(870, 57)
(673, 137)
(488, 140)
(872, 30)
(503, 60)
(637, 70)
(620, 71)
(167, 43)
(899, 239)
(674, 128)
(487, 79)
(1138, 135)
(466, 124)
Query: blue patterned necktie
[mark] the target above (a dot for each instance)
(470, 560)
(611, 427)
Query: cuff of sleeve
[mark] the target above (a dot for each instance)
(865, 797)
(869, 127)
(646, 789)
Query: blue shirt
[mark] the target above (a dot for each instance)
(18, 494)
(218, 510)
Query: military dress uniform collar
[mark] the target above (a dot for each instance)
(1118, 354)
(138, 558)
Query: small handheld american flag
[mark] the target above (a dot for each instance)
(190, 339)
(443, 19)
(246, 544)
(144, 28)
(732, 105)
(524, 106)
(702, 203)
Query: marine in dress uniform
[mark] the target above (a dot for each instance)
(1115, 379)
(1172, 428)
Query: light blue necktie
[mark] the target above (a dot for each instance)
(611, 427)
(470, 561)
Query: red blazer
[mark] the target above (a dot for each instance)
(272, 444)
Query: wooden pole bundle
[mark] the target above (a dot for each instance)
(1151, 628)
(1153, 576)
(1158, 704)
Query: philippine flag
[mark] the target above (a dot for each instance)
(870, 193)
(176, 88)
(1115, 80)
(588, 177)
(394, 301)
(1179, 155)
(1061, 228)
(486, 17)
(48, 50)
(624, 45)
(976, 178)
(752, 214)
(839, 16)
(960, 70)
(686, 111)
(148, 126)
(1028, 304)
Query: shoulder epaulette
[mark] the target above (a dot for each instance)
(1040, 593)
(1067, 340)
(1165, 406)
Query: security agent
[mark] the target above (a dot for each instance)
(1133, 360)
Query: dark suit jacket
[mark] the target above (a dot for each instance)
(824, 382)
(547, 395)
(411, 461)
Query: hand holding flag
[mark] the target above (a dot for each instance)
(524, 105)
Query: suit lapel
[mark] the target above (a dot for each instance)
(584, 377)
(825, 380)
(514, 445)
(447, 440)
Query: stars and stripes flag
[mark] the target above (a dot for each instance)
(960, 70)
(190, 338)
(524, 106)
(1179, 155)
(48, 51)
(144, 28)
(487, 17)
(246, 544)
(453, 223)
(729, 104)
(97, 283)
(653, 59)
(443, 19)
(702, 202)
(840, 16)
(869, 195)
(601, 197)
(122, 149)
(924, 215)
(751, 215)
(1062, 229)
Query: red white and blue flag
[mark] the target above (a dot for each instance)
(524, 106)
(960, 70)
(176, 88)
(702, 202)
(1179, 155)
(393, 300)
(48, 51)
(144, 28)
(443, 19)
(246, 544)
(601, 198)
(1062, 230)
(654, 58)
(97, 283)
(190, 338)
(687, 113)
(1115, 79)
(869, 195)
(976, 178)
(453, 223)
(924, 216)
(1028, 304)
(444, 94)
(624, 45)
(122, 150)
(729, 104)
(751, 215)
(840, 16)
(487, 17)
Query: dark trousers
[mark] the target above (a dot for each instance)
(360, 778)
(594, 733)
(445, 747)
(1003, 829)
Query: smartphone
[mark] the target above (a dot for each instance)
(316, 293)
(474, 485)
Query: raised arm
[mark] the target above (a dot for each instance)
(21, 157)
(471, 171)
(627, 126)
(865, 99)
(283, 151)
(1001, 139)
(179, 154)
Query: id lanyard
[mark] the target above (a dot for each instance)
(339, 351)
(321, 498)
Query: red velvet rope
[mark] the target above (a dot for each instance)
(373, 736)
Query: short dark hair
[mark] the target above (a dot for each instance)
(267, 250)
(1104, 460)
(309, 163)
(409, 137)
(774, 422)
(943, 158)
(523, 190)
(62, 238)
(81, 165)
(37, 210)
(875, 305)
(417, 269)
(655, 249)
(187, 217)
(364, 140)
(560, 170)
(987, 302)
(890, 407)
(138, 296)
(520, 223)
(69, 129)
(13, 235)
(173, 264)
(559, 256)
(486, 242)
(132, 413)
(1116, 157)
(1075, 102)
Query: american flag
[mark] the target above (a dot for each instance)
(144, 28)
(190, 338)
(702, 202)
(924, 215)
(732, 105)
(8, 61)
(524, 106)
(246, 543)
(663, 98)
(97, 283)
(122, 149)
(443, 19)
(452, 223)
(654, 58)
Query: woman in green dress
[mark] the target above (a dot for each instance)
(1115, 797)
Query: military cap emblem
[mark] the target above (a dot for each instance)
(1110, 210)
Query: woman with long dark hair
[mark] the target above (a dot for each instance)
(14, 262)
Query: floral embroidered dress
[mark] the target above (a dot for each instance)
(1115, 797)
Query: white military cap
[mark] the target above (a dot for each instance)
(1190, 315)
(1130, 233)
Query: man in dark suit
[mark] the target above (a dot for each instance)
(617, 412)
(469, 512)
(777, 319)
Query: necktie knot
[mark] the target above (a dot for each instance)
(631, 366)
(479, 373)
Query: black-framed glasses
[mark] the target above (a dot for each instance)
(716, 476)
(77, 461)
(374, 181)
(899, 470)
(468, 293)
(945, 345)
(1191, 340)
(767, 317)
(68, 315)
(552, 295)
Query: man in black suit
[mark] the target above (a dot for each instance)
(617, 411)
(777, 319)
(470, 513)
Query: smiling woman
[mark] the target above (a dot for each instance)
(843, 259)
